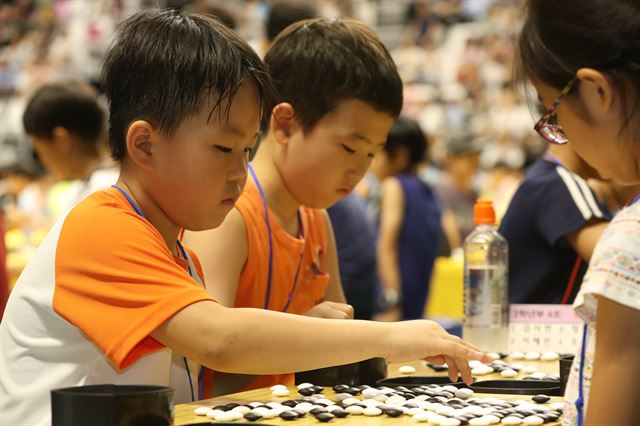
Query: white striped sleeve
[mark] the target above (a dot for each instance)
(576, 194)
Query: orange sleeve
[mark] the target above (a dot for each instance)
(117, 281)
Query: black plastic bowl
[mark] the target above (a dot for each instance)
(112, 405)
(565, 369)
(365, 372)
(519, 387)
(415, 381)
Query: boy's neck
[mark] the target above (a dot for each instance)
(152, 212)
(280, 201)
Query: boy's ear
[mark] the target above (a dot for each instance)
(283, 122)
(139, 142)
(62, 139)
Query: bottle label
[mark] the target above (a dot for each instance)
(485, 297)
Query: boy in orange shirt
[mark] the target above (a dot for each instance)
(339, 92)
(111, 296)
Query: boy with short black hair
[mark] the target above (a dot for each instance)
(339, 92)
(66, 123)
(111, 292)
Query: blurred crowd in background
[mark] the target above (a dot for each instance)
(455, 57)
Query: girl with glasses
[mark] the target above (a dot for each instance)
(585, 65)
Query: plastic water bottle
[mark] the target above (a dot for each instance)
(486, 263)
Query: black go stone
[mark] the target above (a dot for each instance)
(288, 415)
(300, 413)
(541, 399)
(503, 355)
(325, 417)
(464, 420)
(231, 406)
(411, 405)
(252, 417)
(322, 404)
(352, 391)
(447, 394)
(401, 389)
(317, 389)
(393, 412)
(551, 378)
(317, 410)
(306, 391)
(221, 408)
(340, 388)
(363, 387)
(289, 403)
(530, 379)
(340, 413)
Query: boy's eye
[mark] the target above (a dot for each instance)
(223, 149)
(346, 148)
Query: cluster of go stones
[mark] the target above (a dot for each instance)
(506, 370)
(438, 405)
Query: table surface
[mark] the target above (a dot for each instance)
(184, 412)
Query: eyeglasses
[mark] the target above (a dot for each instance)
(547, 126)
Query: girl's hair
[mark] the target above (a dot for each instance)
(561, 36)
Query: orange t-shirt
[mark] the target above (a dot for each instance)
(303, 256)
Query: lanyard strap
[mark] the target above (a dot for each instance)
(580, 401)
(191, 272)
(270, 239)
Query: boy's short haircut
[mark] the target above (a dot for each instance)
(285, 13)
(72, 105)
(406, 132)
(163, 66)
(319, 62)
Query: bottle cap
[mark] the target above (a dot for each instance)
(483, 213)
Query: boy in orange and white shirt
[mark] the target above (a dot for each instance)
(112, 297)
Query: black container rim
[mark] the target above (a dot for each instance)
(110, 390)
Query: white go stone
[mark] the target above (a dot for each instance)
(242, 409)
(538, 375)
(304, 385)
(323, 401)
(479, 421)
(482, 370)
(407, 369)
(550, 356)
(557, 406)
(475, 363)
(304, 406)
(450, 388)
(413, 411)
(445, 410)
(276, 387)
(494, 355)
(493, 420)
(370, 393)
(273, 404)
(372, 411)
(227, 416)
(270, 414)
(395, 399)
(214, 413)
(421, 417)
(464, 393)
(343, 396)
(372, 403)
(511, 420)
(350, 401)
(281, 392)
(507, 372)
(201, 411)
(517, 365)
(532, 420)
(516, 355)
(499, 362)
(532, 356)
(255, 404)
(355, 410)
(450, 421)
(530, 369)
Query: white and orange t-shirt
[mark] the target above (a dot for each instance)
(83, 309)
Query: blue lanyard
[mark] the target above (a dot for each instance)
(270, 239)
(580, 401)
(184, 255)
(635, 200)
